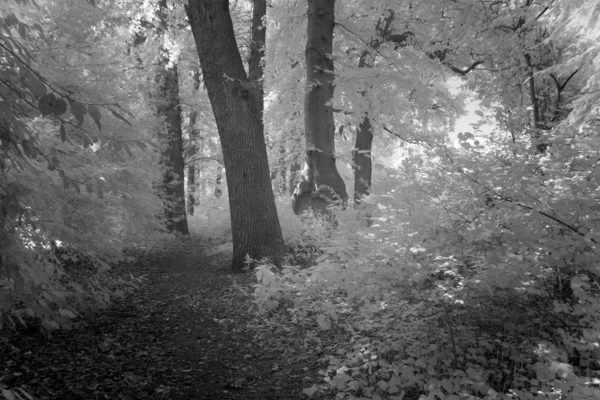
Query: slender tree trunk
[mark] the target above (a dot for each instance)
(191, 203)
(282, 180)
(322, 183)
(361, 157)
(294, 172)
(236, 104)
(219, 182)
(169, 112)
(191, 164)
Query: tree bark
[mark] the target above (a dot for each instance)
(257, 49)
(236, 104)
(322, 184)
(168, 110)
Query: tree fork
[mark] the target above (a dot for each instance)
(254, 223)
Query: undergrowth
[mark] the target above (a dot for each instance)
(461, 316)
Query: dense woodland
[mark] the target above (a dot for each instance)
(419, 180)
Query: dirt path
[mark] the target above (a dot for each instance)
(206, 325)
(185, 335)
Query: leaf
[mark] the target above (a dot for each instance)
(67, 313)
(119, 116)
(60, 107)
(143, 145)
(63, 133)
(50, 325)
(66, 182)
(340, 381)
(38, 27)
(12, 210)
(95, 114)
(310, 391)
(89, 188)
(29, 149)
(79, 110)
(23, 31)
(46, 103)
(124, 110)
(324, 322)
(127, 150)
(85, 142)
(6, 302)
(35, 86)
(8, 394)
(75, 185)
(479, 112)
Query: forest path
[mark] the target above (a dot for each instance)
(220, 349)
(186, 334)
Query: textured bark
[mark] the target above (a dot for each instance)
(236, 104)
(168, 110)
(257, 48)
(322, 183)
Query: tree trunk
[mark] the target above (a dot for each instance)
(219, 182)
(282, 181)
(191, 203)
(236, 104)
(295, 169)
(191, 164)
(361, 157)
(322, 184)
(257, 49)
(170, 133)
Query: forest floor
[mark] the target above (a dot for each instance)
(185, 334)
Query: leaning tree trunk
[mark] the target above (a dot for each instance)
(236, 104)
(168, 110)
(322, 184)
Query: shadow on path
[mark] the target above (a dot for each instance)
(186, 334)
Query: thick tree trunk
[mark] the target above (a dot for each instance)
(236, 104)
(168, 110)
(322, 183)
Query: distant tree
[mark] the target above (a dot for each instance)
(236, 103)
(170, 132)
